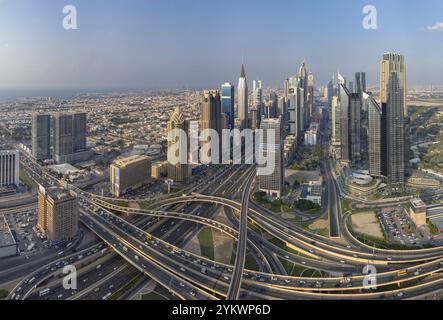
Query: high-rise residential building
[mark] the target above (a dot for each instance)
(9, 168)
(272, 183)
(41, 136)
(228, 102)
(395, 144)
(354, 129)
(242, 99)
(70, 138)
(79, 132)
(374, 134)
(57, 214)
(179, 172)
(128, 174)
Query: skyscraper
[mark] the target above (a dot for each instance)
(41, 136)
(354, 126)
(303, 85)
(293, 113)
(360, 82)
(228, 102)
(57, 214)
(310, 102)
(395, 134)
(63, 137)
(374, 134)
(211, 111)
(70, 137)
(394, 62)
(179, 172)
(257, 97)
(272, 183)
(242, 103)
(343, 100)
(130, 173)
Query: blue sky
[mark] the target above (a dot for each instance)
(201, 43)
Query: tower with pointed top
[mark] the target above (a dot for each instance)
(242, 99)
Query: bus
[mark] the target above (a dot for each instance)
(105, 297)
(402, 273)
(44, 292)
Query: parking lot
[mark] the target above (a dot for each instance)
(23, 227)
(398, 228)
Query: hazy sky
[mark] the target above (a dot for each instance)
(201, 43)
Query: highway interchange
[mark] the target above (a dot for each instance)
(146, 245)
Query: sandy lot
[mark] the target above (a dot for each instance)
(367, 223)
(319, 224)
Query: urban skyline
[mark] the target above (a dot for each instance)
(318, 179)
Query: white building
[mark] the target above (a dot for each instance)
(242, 104)
(9, 168)
(311, 135)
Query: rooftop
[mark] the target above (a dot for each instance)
(129, 160)
(6, 237)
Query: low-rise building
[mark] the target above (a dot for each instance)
(129, 173)
(312, 192)
(417, 212)
(8, 246)
(159, 169)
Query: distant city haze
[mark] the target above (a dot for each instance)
(198, 44)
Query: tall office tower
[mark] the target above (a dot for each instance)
(343, 98)
(228, 102)
(179, 172)
(335, 122)
(354, 126)
(128, 174)
(273, 104)
(360, 82)
(330, 92)
(394, 62)
(303, 85)
(272, 183)
(79, 132)
(57, 214)
(282, 110)
(374, 134)
(242, 103)
(310, 102)
(293, 113)
(211, 111)
(351, 87)
(395, 134)
(9, 168)
(194, 134)
(286, 88)
(63, 137)
(41, 136)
